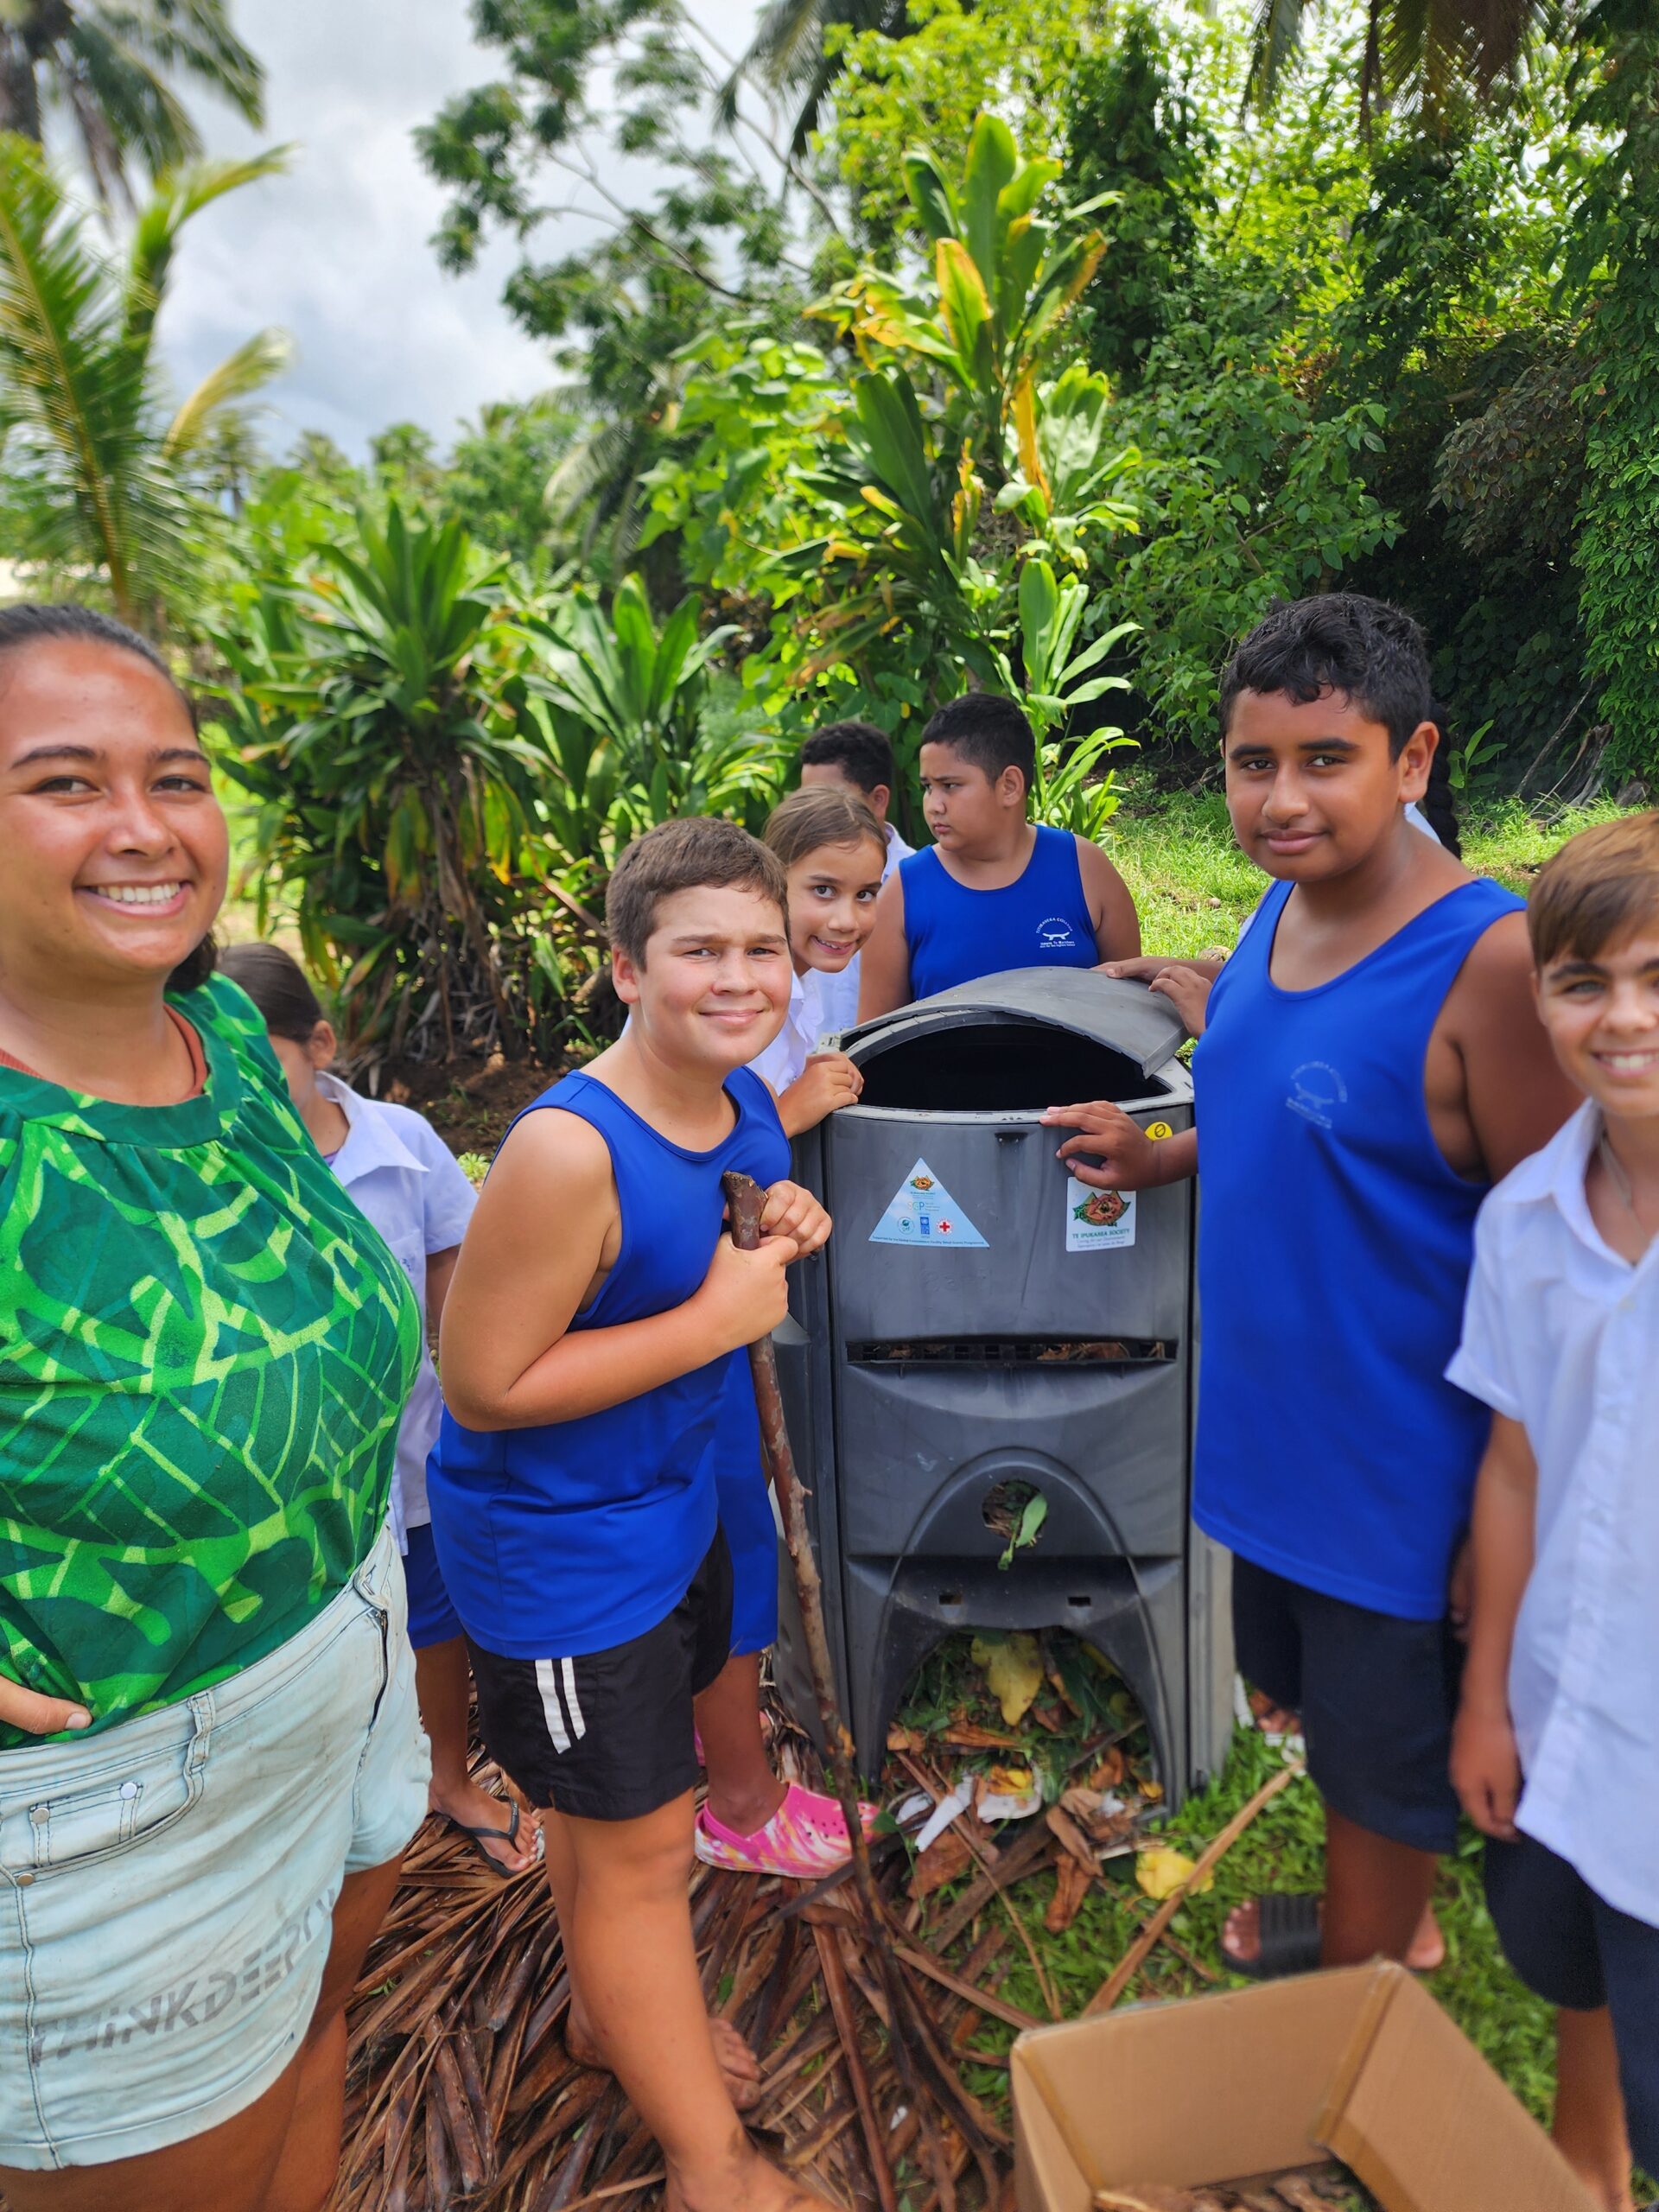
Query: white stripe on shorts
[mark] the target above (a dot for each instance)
(573, 1705)
(547, 1681)
(557, 1681)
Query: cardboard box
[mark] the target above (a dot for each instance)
(1359, 2064)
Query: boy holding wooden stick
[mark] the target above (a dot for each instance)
(590, 1333)
(1369, 1067)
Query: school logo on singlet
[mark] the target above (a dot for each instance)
(1317, 1089)
(1056, 935)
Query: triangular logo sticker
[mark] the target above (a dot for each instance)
(923, 1213)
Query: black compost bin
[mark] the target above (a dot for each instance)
(982, 1319)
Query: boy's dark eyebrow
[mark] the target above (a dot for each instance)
(1243, 746)
(1580, 966)
(687, 939)
(66, 752)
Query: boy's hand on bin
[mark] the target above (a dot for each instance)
(745, 1295)
(795, 1213)
(1111, 1153)
(1184, 983)
(1486, 1768)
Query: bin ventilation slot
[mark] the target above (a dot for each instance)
(1012, 1352)
(999, 1067)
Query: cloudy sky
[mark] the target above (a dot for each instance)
(337, 251)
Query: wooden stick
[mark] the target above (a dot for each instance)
(745, 1202)
(869, 2121)
(1132, 1961)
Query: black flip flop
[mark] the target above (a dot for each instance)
(509, 1835)
(1289, 1926)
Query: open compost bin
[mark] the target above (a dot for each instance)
(983, 1327)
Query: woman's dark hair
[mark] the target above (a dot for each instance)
(1437, 805)
(1372, 654)
(279, 987)
(36, 622)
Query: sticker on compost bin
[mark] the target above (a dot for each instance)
(923, 1212)
(1099, 1221)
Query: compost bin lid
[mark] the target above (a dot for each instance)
(1130, 1018)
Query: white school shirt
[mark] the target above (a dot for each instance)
(1562, 1335)
(783, 1058)
(402, 1176)
(838, 995)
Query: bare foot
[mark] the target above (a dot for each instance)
(1241, 1939)
(738, 2066)
(472, 1806)
(744, 2182)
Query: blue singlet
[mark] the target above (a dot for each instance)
(956, 936)
(1334, 1250)
(581, 1535)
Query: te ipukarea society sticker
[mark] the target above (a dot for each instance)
(1099, 1221)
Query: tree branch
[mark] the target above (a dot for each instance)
(666, 245)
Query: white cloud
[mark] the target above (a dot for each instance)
(338, 251)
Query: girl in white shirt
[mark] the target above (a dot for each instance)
(402, 1177)
(834, 852)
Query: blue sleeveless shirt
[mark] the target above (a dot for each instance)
(1334, 1250)
(581, 1535)
(955, 935)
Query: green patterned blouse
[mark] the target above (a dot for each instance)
(204, 1353)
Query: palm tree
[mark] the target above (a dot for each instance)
(108, 64)
(98, 455)
(1418, 51)
(786, 54)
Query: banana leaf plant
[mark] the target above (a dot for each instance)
(1070, 791)
(1006, 270)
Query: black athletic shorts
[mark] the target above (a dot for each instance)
(608, 1735)
(1572, 1948)
(1378, 1696)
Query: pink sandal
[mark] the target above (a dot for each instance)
(804, 1839)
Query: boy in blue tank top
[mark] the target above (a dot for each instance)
(994, 890)
(595, 1316)
(1370, 1065)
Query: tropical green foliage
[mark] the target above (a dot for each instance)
(443, 760)
(99, 455)
(109, 71)
(1430, 55)
(620, 704)
(373, 718)
(882, 517)
(1619, 549)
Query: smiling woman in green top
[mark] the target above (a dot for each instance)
(210, 1759)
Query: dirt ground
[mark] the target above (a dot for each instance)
(468, 1101)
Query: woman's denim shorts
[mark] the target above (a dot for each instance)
(166, 1889)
